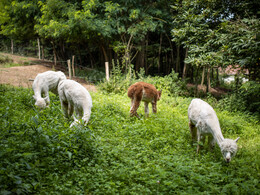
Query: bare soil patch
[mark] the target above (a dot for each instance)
(20, 76)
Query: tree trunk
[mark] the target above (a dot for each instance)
(196, 82)
(159, 55)
(146, 61)
(178, 59)
(127, 56)
(54, 55)
(141, 57)
(217, 77)
(172, 56)
(185, 65)
(69, 68)
(105, 53)
(208, 79)
(237, 79)
(42, 52)
(39, 48)
(12, 46)
(202, 78)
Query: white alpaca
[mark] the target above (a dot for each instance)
(203, 117)
(75, 97)
(43, 83)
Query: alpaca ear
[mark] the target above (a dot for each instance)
(237, 139)
(159, 94)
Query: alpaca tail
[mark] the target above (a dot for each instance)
(130, 92)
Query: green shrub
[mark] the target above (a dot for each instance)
(246, 98)
(170, 84)
(91, 75)
(5, 59)
(250, 92)
(120, 82)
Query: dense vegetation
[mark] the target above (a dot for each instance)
(119, 154)
(190, 36)
(166, 43)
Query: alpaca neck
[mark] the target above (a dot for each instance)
(217, 134)
(86, 113)
(37, 94)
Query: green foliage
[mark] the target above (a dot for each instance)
(5, 59)
(6, 62)
(91, 75)
(119, 154)
(120, 82)
(37, 145)
(17, 19)
(170, 84)
(218, 34)
(240, 44)
(246, 98)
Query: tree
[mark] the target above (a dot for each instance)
(215, 35)
(241, 44)
(17, 19)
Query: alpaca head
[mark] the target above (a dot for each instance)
(159, 94)
(40, 103)
(229, 148)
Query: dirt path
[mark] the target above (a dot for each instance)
(20, 75)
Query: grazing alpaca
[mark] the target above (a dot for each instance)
(145, 92)
(203, 117)
(75, 97)
(43, 83)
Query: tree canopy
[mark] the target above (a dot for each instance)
(184, 35)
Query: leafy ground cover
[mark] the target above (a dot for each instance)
(119, 154)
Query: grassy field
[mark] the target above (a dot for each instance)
(117, 154)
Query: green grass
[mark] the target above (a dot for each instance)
(7, 62)
(117, 154)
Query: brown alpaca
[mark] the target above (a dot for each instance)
(145, 92)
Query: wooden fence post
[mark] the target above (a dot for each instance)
(107, 71)
(68, 61)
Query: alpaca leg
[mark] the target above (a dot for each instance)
(64, 107)
(133, 111)
(211, 142)
(193, 131)
(146, 109)
(132, 103)
(199, 137)
(77, 115)
(154, 107)
(46, 97)
(70, 109)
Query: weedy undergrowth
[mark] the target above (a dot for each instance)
(118, 154)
